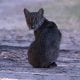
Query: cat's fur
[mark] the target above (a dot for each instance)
(44, 51)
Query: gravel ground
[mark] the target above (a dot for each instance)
(14, 64)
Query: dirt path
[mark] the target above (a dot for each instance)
(15, 40)
(14, 66)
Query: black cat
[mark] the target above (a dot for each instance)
(44, 51)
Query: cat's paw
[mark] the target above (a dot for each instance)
(53, 65)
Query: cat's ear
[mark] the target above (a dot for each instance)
(26, 12)
(41, 11)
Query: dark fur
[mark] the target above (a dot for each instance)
(44, 51)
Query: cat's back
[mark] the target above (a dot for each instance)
(51, 31)
(50, 40)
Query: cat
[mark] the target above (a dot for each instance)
(44, 50)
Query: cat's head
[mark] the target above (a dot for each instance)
(34, 19)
